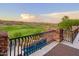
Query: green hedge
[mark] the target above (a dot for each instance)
(67, 24)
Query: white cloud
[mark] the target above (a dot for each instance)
(49, 18)
(32, 18)
(35, 18)
(28, 17)
(57, 17)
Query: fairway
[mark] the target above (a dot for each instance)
(21, 30)
(18, 29)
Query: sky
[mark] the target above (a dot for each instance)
(26, 10)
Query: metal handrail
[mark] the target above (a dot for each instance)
(19, 43)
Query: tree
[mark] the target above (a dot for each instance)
(67, 24)
(65, 18)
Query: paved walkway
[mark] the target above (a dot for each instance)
(63, 50)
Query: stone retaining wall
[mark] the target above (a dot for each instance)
(3, 43)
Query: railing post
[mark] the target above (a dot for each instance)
(75, 32)
(3, 44)
(61, 35)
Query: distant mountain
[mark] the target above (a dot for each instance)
(3, 22)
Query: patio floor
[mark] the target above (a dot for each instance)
(63, 50)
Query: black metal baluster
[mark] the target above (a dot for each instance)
(31, 44)
(21, 45)
(38, 37)
(14, 47)
(10, 46)
(24, 44)
(36, 43)
(27, 45)
(33, 41)
(61, 35)
(18, 45)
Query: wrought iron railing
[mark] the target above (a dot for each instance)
(26, 45)
(69, 35)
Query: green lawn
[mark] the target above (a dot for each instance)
(25, 29)
(21, 30)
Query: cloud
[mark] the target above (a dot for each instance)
(37, 18)
(28, 17)
(57, 17)
(49, 18)
(33, 18)
(71, 14)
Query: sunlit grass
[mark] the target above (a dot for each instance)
(27, 29)
(21, 30)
